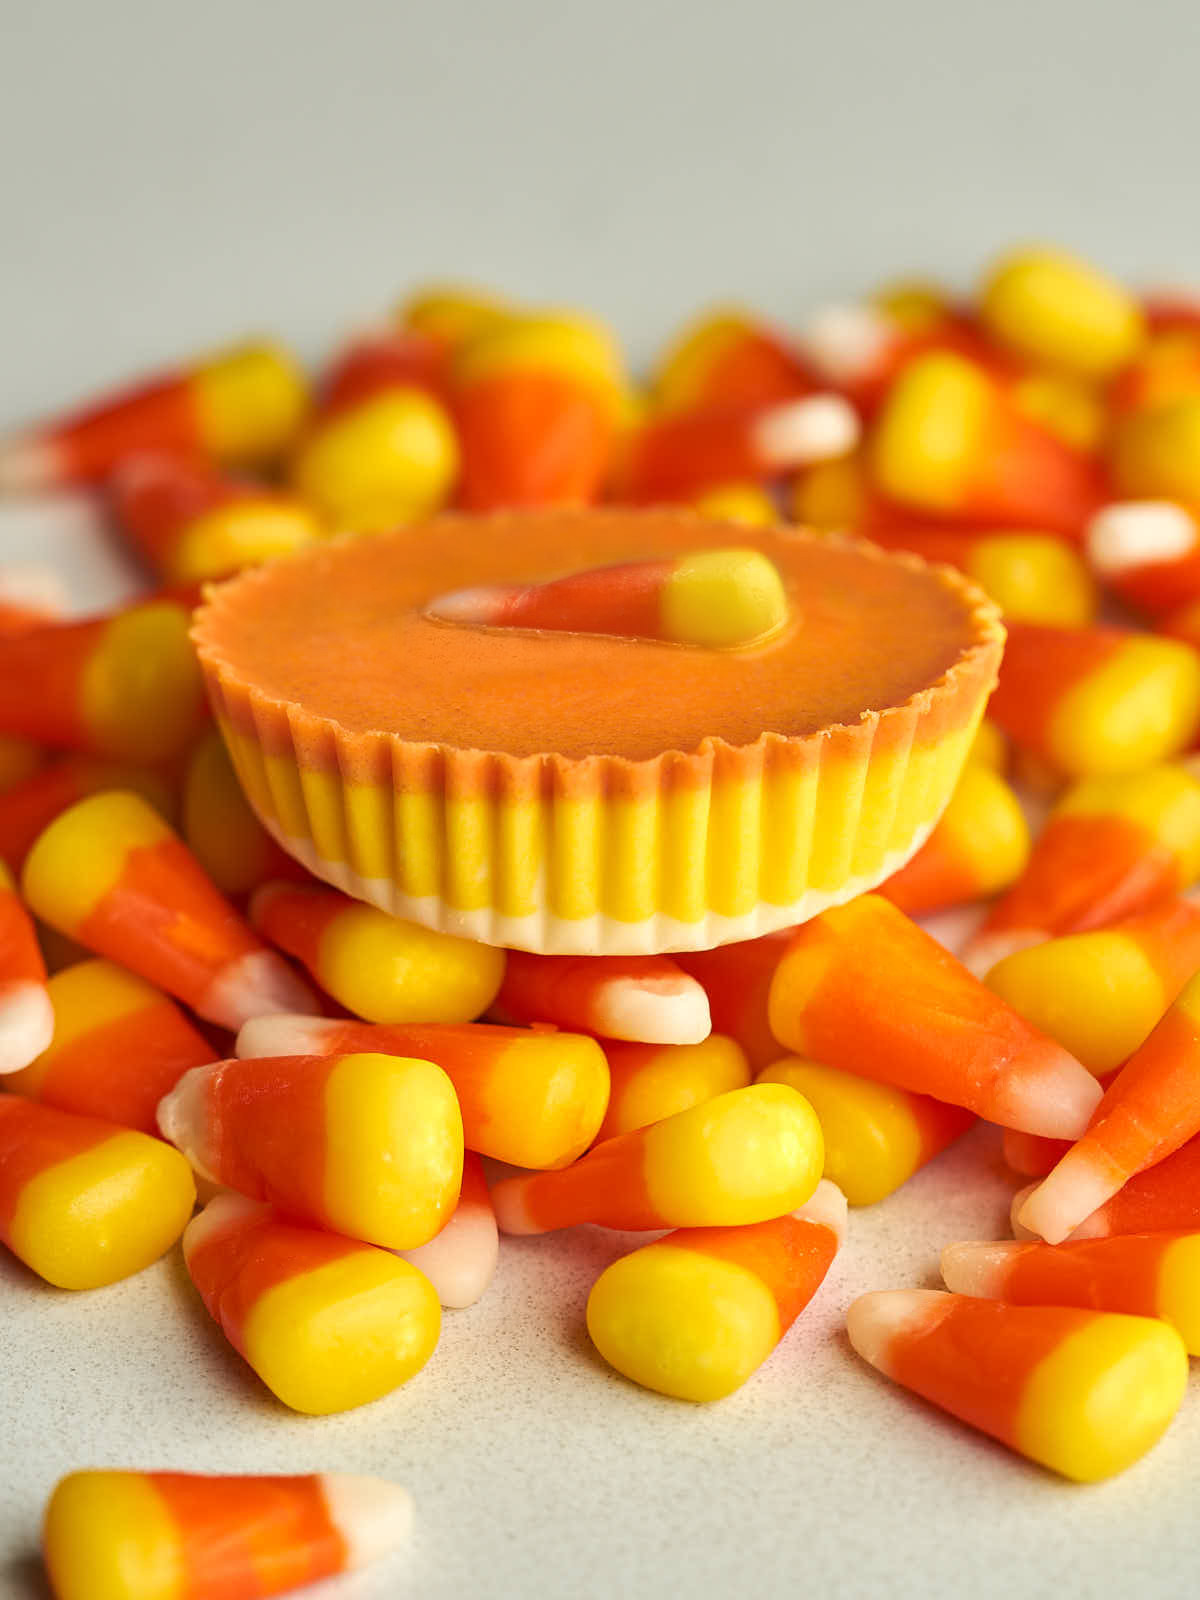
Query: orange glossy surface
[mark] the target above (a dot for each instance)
(791, 1256)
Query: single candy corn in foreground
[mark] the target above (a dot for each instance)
(110, 873)
(381, 967)
(863, 988)
(876, 1136)
(181, 1536)
(1084, 1392)
(220, 827)
(460, 1260)
(240, 408)
(1163, 1198)
(1097, 701)
(368, 1145)
(696, 1313)
(646, 999)
(1032, 577)
(727, 358)
(979, 846)
(1147, 552)
(949, 441)
(653, 1081)
(1113, 846)
(1100, 993)
(536, 401)
(26, 1011)
(83, 1202)
(189, 522)
(673, 458)
(737, 980)
(119, 1044)
(1058, 311)
(326, 1322)
(530, 1096)
(126, 686)
(719, 599)
(741, 1157)
(1149, 1109)
(1146, 1274)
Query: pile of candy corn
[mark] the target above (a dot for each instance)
(214, 1017)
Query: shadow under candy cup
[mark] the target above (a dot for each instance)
(571, 791)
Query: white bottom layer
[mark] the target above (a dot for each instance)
(544, 933)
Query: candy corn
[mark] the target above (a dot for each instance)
(1052, 308)
(647, 999)
(1155, 451)
(1149, 1109)
(460, 1260)
(125, 686)
(696, 1313)
(533, 1097)
(980, 845)
(717, 599)
(1100, 993)
(368, 1145)
(389, 458)
(453, 315)
(240, 407)
(188, 521)
(673, 458)
(653, 1081)
(1112, 847)
(727, 358)
(1148, 552)
(948, 441)
(1097, 701)
(110, 873)
(382, 360)
(1146, 1274)
(118, 1045)
(1163, 1198)
(536, 401)
(737, 980)
(1032, 577)
(84, 1202)
(381, 967)
(876, 1136)
(26, 1011)
(1083, 1392)
(738, 1158)
(221, 830)
(863, 988)
(326, 1323)
(180, 1536)
(31, 806)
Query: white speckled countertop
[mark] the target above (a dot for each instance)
(537, 1471)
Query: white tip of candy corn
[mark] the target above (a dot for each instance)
(875, 1320)
(460, 1261)
(27, 464)
(287, 1033)
(255, 985)
(26, 1024)
(845, 342)
(1020, 1231)
(818, 428)
(987, 950)
(1068, 1196)
(40, 589)
(1049, 1093)
(511, 1209)
(978, 1267)
(223, 1210)
(667, 1010)
(826, 1206)
(1138, 533)
(374, 1517)
(183, 1117)
(479, 605)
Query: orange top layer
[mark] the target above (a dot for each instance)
(341, 631)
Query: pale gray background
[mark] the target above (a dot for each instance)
(173, 175)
